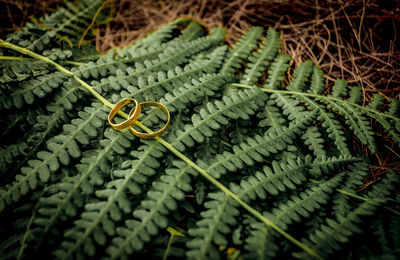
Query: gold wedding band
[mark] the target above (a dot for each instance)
(159, 132)
(133, 115)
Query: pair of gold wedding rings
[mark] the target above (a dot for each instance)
(134, 115)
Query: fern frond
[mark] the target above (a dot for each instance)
(192, 31)
(94, 202)
(317, 81)
(20, 70)
(262, 57)
(134, 83)
(339, 89)
(215, 114)
(332, 126)
(129, 55)
(155, 87)
(356, 172)
(254, 149)
(28, 90)
(290, 106)
(271, 116)
(301, 76)
(179, 99)
(324, 165)
(90, 171)
(41, 128)
(219, 214)
(151, 216)
(328, 237)
(312, 138)
(175, 55)
(66, 22)
(385, 187)
(276, 71)
(160, 36)
(354, 114)
(261, 238)
(22, 218)
(260, 243)
(283, 174)
(356, 121)
(241, 49)
(181, 96)
(305, 203)
(61, 148)
(112, 200)
(391, 127)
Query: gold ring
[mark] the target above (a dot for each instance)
(133, 115)
(159, 132)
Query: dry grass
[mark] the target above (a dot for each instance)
(356, 40)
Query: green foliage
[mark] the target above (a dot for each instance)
(74, 188)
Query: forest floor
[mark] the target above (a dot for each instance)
(357, 40)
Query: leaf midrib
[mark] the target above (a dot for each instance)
(213, 115)
(154, 210)
(83, 177)
(110, 201)
(54, 154)
(317, 97)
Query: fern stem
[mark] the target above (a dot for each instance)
(237, 199)
(315, 96)
(360, 198)
(107, 207)
(28, 226)
(25, 51)
(219, 185)
(168, 247)
(75, 63)
(14, 58)
(365, 199)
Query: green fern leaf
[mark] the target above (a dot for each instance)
(275, 74)
(272, 180)
(301, 76)
(219, 214)
(241, 49)
(215, 114)
(254, 149)
(103, 213)
(335, 231)
(261, 58)
(60, 149)
(160, 200)
(20, 70)
(271, 116)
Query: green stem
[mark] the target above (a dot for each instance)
(168, 247)
(167, 145)
(315, 96)
(359, 197)
(365, 199)
(75, 63)
(11, 58)
(14, 58)
(236, 198)
(34, 55)
(23, 241)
